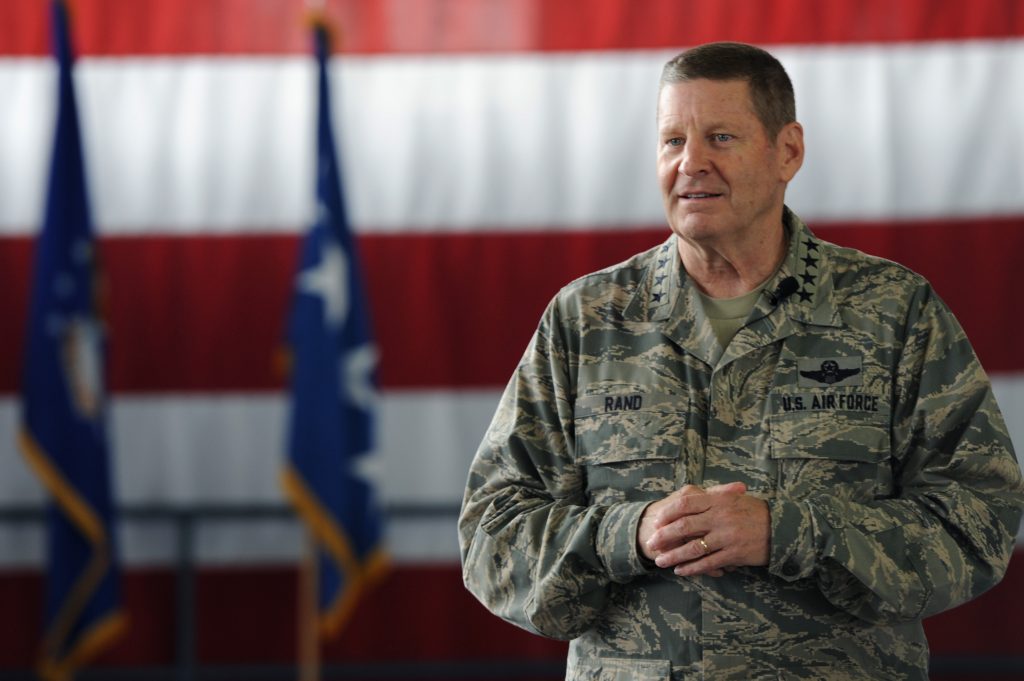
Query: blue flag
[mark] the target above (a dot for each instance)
(333, 382)
(63, 432)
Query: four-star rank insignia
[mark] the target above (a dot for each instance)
(807, 268)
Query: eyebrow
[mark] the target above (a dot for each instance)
(713, 126)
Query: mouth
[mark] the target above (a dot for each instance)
(699, 196)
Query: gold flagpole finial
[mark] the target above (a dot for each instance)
(317, 19)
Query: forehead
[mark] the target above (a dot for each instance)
(702, 99)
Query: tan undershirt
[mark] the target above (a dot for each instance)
(727, 315)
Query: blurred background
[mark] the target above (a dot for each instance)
(493, 150)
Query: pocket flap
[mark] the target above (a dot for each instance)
(845, 426)
(618, 669)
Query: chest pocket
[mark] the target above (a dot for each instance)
(832, 441)
(630, 445)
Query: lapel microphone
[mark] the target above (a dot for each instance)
(786, 288)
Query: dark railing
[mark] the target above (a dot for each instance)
(383, 671)
(185, 520)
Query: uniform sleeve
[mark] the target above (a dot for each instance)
(948, 533)
(533, 551)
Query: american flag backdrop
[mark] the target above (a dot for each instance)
(492, 150)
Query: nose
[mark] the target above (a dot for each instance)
(695, 159)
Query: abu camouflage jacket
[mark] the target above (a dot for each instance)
(855, 407)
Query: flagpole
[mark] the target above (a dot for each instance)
(63, 424)
(309, 619)
(309, 607)
(332, 416)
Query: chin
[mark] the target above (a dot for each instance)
(698, 227)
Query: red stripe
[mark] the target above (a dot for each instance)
(206, 313)
(158, 27)
(417, 614)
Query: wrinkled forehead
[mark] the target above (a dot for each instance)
(702, 98)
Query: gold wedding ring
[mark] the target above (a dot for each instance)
(704, 545)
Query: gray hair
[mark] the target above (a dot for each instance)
(771, 91)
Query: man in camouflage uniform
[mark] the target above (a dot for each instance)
(746, 453)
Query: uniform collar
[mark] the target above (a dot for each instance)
(807, 261)
(667, 296)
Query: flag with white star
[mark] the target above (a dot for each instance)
(333, 384)
(63, 434)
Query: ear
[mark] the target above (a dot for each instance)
(790, 143)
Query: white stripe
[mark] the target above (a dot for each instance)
(222, 542)
(504, 141)
(229, 448)
(28, 88)
(183, 450)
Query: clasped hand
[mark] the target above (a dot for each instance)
(700, 531)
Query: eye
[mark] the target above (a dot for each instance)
(721, 137)
(674, 142)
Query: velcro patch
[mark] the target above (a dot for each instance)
(826, 400)
(817, 372)
(591, 405)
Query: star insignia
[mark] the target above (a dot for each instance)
(808, 278)
(657, 297)
(356, 374)
(805, 296)
(810, 260)
(660, 278)
(328, 280)
(811, 245)
(662, 263)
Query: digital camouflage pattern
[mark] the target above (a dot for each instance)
(855, 407)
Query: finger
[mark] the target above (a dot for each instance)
(655, 514)
(713, 563)
(678, 532)
(659, 514)
(690, 552)
(686, 490)
(679, 505)
(690, 500)
(684, 517)
(728, 488)
(684, 500)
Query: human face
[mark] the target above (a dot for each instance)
(722, 177)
